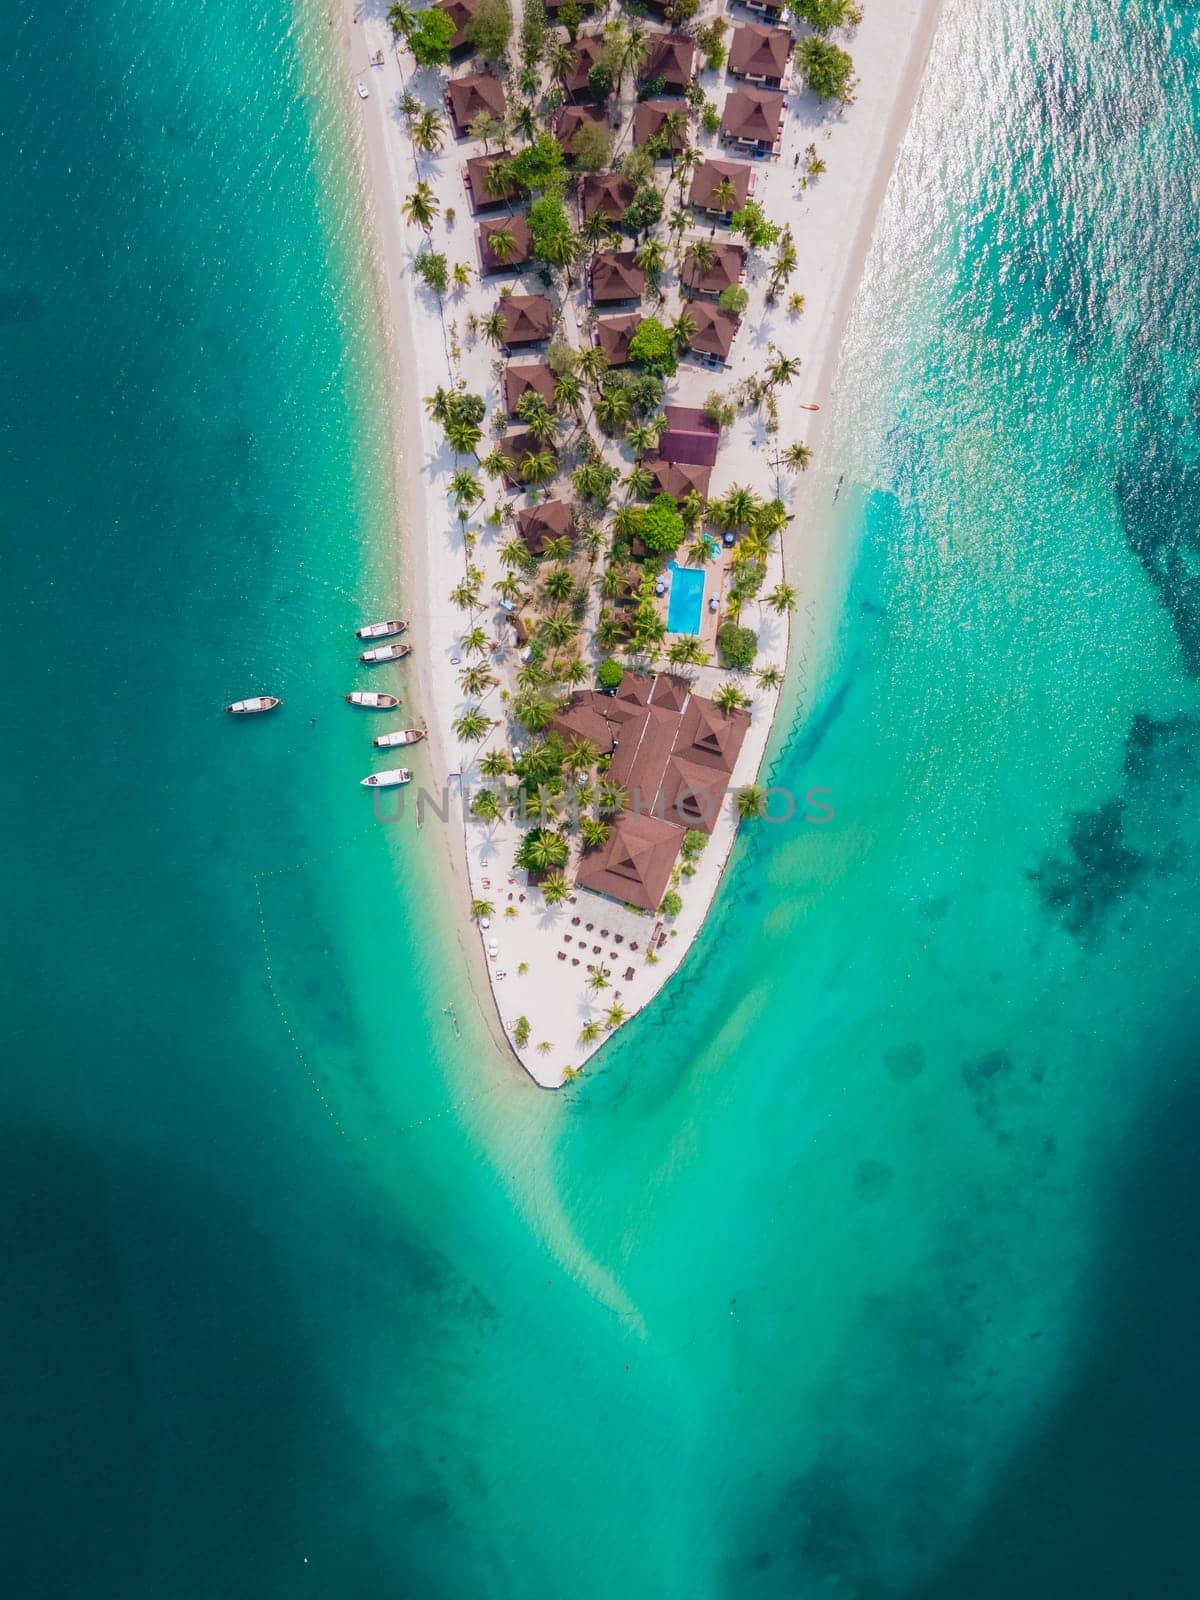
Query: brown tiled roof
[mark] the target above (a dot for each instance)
(758, 52)
(671, 691)
(533, 377)
(528, 318)
(519, 228)
(634, 864)
(648, 120)
(589, 50)
(551, 519)
(714, 331)
(677, 478)
(587, 716)
(609, 194)
(615, 275)
(639, 762)
(725, 271)
(702, 762)
(710, 174)
(672, 57)
(613, 335)
(691, 436)
(460, 13)
(476, 178)
(467, 97)
(570, 119)
(754, 115)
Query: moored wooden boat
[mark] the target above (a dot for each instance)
(255, 704)
(379, 630)
(385, 652)
(373, 701)
(391, 779)
(387, 741)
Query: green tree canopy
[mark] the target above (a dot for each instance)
(609, 673)
(662, 526)
(653, 348)
(540, 164)
(822, 15)
(828, 70)
(644, 210)
(490, 29)
(738, 646)
(429, 38)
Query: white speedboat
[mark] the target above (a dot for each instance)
(380, 630)
(363, 92)
(258, 702)
(387, 780)
(388, 741)
(385, 652)
(372, 701)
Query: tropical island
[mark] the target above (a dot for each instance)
(596, 241)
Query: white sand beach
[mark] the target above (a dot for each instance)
(536, 957)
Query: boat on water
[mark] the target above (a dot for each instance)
(380, 630)
(372, 701)
(256, 703)
(385, 652)
(388, 741)
(391, 779)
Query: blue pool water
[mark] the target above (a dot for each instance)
(687, 599)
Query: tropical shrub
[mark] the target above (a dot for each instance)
(609, 673)
(490, 28)
(429, 38)
(653, 349)
(661, 525)
(828, 70)
(738, 646)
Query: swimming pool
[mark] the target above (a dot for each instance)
(686, 604)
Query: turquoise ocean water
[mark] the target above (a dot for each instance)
(865, 1263)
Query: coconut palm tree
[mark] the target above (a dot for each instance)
(574, 671)
(700, 257)
(531, 675)
(681, 331)
(751, 801)
(538, 467)
(559, 584)
(736, 510)
(422, 206)
(611, 798)
(652, 259)
(486, 127)
(687, 163)
(796, 457)
(782, 369)
(687, 653)
(482, 908)
(495, 464)
(471, 725)
(612, 408)
(495, 764)
(610, 632)
(592, 363)
(562, 250)
(615, 1016)
(581, 756)
(596, 230)
(438, 405)
(770, 677)
(544, 851)
(476, 679)
(558, 629)
(487, 806)
(537, 416)
(427, 132)
(558, 549)
(461, 274)
(640, 437)
(782, 598)
(500, 182)
(568, 394)
(673, 131)
(400, 18)
(464, 486)
(598, 978)
(626, 50)
(514, 553)
(555, 888)
(593, 832)
(639, 481)
(493, 327)
(502, 244)
(724, 196)
(590, 1032)
(475, 642)
(535, 711)
(465, 595)
(730, 698)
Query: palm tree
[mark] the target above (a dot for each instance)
(463, 435)
(502, 244)
(465, 595)
(582, 755)
(782, 598)
(535, 711)
(687, 652)
(400, 18)
(681, 331)
(471, 725)
(485, 126)
(610, 631)
(597, 230)
(537, 416)
(699, 258)
(476, 679)
(495, 764)
(514, 553)
(482, 908)
(568, 393)
(521, 1032)
(782, 369)
(538, 467)
(427, 132)
(461, 275)
(543, 852)
(640, 436)
(770, 677)
(730, 698)
(615, 1016)
(559, 584)
(627, 48)
(555, 888)
(652, 259)
(560, 58)
(639, 481)
(558, 629)
(673, 132)
(598, 978)
(590, 1032)
(724, 196)
(612, 408)
(593, 832)
(562, 250)
(475, 643)
(574, 671)
(510, 587)
(610, 798)
(495, 464)
(736, 510)
(557, 549)
(796, 457)
(464, 486)
(500, 182)
(438, 405)
(493, 327)
(422, 206)
(592, 363)
(689, 160)
(525, 120)
(751, 802)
